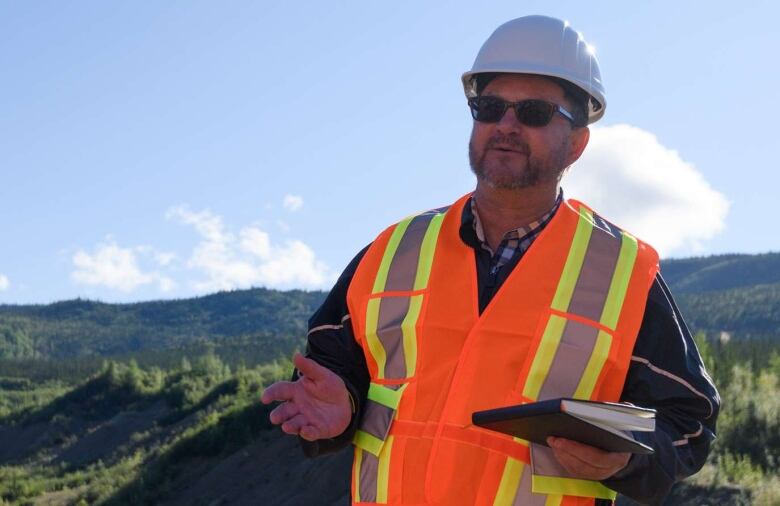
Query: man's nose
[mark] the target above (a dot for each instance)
(508, 121)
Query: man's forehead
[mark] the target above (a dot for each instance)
(522, 85)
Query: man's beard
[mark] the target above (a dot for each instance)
(535, 171)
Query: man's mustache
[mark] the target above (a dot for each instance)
(512, 142)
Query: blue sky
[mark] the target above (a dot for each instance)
(168, 149)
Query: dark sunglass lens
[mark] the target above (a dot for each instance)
(535, 113)
(487, 109)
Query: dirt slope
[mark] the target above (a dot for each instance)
(269, 472)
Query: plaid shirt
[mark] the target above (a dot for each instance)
(515, 242)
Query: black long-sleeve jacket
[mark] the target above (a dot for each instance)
(666, 373)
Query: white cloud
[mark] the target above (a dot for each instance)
(292, 202)
(256, 242)
(162, 258)
(248, 259)
(4, 283)
(115, 267)
(222, 260)
(283, 226)
(205, 222)
(647, 188)
(166, 284)
(294, 262)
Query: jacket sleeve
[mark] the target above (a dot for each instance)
(331, 343)
(666, 373)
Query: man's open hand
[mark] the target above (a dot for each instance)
(587, 462)
(315, 406)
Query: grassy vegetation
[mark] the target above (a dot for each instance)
(21, 394)
(746, 453)
(210, 410)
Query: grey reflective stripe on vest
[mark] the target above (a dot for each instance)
(571, 357)
(525, 497)
(393, 310)
(587, 300)
(371, 440)
(578, 341)
(395, 314)
(376, 419)
(381, 405)
(369, 468)
(592, 288)
(403, 269)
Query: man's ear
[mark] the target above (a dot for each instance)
(579, 139)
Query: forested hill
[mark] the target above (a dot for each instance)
(721, 272)
(737, 294)
(274, 320)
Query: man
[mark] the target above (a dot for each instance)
(510, 295)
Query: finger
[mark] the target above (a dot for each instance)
(309, 367)
(576, 468)
(283, 412)
(310, 433)
(294, 424)
(579, 468)
(279, 391)
(589, 455)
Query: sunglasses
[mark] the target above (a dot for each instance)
(532, 113)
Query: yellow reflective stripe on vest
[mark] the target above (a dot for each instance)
(544, 356)
(563, 295)
(552, 332)
(374, 345)
(510, 481)
(387, 258)
(426, 252)
(617, 289)
(381, 404)
(384, 395)
(383, 474)
(597, 359)
(610, 301)
(372, 474)
(573, 266)
(368, 442)
(409, 329)
(356, 466)
(572, 486)
(372, 339)
(515, 488)
(610, 315)
(598, 252)
(383, 316)
(392, 318)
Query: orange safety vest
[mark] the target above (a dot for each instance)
(563, 324)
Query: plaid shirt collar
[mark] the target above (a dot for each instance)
(515, 242)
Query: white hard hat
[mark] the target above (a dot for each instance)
(544, 46)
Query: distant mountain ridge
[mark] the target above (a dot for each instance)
(80, 327)
(721, 272)
(735, 296)
(738, 294)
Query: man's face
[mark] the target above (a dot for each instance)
(510, 155)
